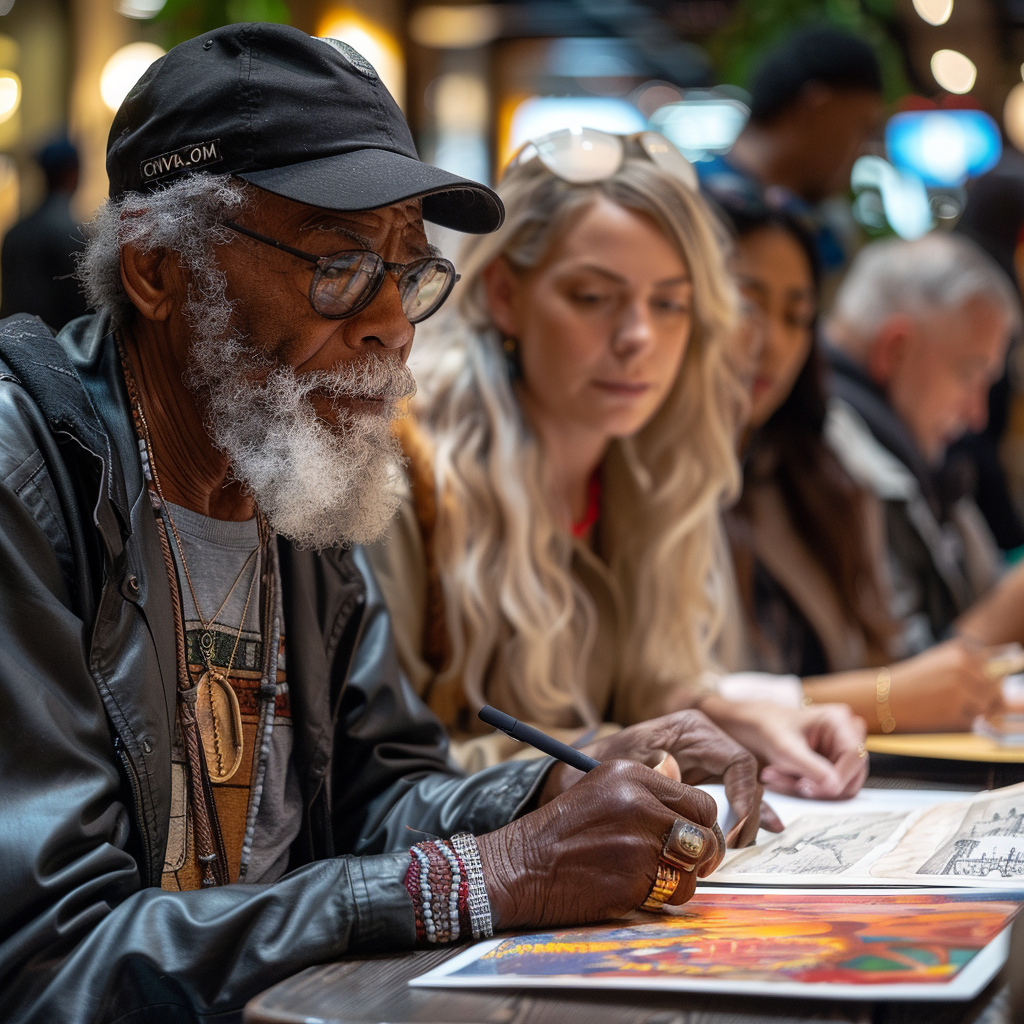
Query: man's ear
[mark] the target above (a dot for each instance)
(502, 287)
(153, 280)
(886, 352)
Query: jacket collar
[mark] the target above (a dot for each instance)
(851, 383)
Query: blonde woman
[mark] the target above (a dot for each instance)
(571, 447)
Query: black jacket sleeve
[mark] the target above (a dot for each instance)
(81, 938)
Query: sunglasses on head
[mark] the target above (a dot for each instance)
(582, 156)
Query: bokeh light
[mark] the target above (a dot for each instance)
(1013, 115)
(455, 28)
(10, 95)
(943, 147)
(373, 41)
(953, 71)
(904, 199)
(703, 126)
(935, 12)
(124, 69)
(140, 8)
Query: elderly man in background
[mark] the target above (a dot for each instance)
(918, 334)
(191, 808)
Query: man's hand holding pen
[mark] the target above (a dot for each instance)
(618, 825)
(703, 752)
(599, 849)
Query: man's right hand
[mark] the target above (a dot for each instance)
(591, 853)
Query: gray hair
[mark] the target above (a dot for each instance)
(186, 217)
(939, 271)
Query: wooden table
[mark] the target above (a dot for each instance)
(372, 990)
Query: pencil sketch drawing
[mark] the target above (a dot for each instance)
(988, 843)
(812, 846)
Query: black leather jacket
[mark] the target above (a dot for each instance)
(87, 705)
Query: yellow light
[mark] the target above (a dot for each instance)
(375, 43)
(953, 71)
(124, 69)
(1013, 115)
(141, 8)
(455, 28)
(460, 102)
(935, 12)
(10, 95)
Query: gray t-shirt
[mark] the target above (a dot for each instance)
(260, 805)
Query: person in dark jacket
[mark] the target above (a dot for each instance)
(919, 333)
(37, 261)
(211, 768)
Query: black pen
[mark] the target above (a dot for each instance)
(541, 740)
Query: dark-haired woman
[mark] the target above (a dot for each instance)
(806, 540)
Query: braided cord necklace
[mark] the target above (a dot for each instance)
(212, 697)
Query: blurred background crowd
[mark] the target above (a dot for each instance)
(927, 137)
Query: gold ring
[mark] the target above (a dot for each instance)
(665, 884)
(862, 750)
(684, 845)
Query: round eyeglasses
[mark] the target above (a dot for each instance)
(582, 156)
(346, 282)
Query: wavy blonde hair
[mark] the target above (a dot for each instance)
(513, 608)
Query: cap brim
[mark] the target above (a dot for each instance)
(370, 178)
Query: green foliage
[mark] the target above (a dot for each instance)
(183, 19)
(758, 24)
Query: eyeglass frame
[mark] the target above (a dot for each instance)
(323, 262)
(691, 179)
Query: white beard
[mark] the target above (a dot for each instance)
(321, 485)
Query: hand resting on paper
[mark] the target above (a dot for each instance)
(815, 752)
(703, 753)
(591, 853)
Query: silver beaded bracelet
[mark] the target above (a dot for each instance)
(425, 894)
(480, 921)
(453, 894)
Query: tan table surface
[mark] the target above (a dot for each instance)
(949, 746)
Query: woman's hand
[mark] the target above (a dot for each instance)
(591, 853)
(816, 752)
(703, 753)
(944, 689)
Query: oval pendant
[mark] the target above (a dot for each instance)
(220, 725)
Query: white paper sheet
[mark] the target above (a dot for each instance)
(973, 842)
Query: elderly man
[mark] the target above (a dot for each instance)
(918, 334)
(212, 771)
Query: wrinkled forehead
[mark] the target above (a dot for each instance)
(401, 223)
(397, 227)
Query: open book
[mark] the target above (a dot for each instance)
(975, 842)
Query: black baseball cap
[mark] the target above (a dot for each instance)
(305, 118)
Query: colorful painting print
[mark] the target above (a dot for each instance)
(923, 939)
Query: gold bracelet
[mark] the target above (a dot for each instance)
(883, 684)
